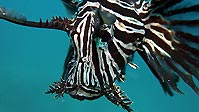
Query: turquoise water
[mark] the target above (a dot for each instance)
(31, 59)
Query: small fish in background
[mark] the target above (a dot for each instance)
(104, 36)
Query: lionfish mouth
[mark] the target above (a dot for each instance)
(79, 92)
(81, 81)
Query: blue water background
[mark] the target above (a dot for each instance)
(31, 59)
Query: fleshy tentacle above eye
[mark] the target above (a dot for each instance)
(170, 53)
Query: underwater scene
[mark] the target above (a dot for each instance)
(31, 59)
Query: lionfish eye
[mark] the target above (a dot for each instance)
(107, 17)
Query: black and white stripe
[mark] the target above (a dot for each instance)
(112, 55)
(83, 73)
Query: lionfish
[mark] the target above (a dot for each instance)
(104, 36)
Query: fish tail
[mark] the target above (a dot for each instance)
(170, 50)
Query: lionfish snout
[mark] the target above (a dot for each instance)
(82, 80)
(79, 80)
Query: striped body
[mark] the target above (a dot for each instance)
(95, 66)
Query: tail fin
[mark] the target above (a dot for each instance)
(170, 53)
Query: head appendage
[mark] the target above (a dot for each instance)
(55, 23)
